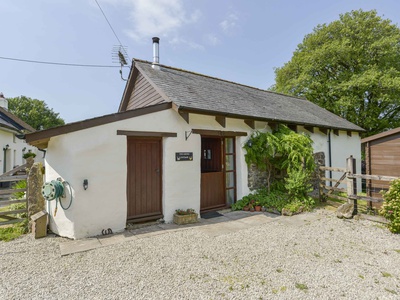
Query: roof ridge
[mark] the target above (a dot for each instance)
(220, 79)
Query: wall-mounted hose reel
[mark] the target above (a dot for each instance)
(55, 190)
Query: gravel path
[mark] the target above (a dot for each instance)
(324, 259)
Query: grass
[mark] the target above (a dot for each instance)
(386, 274)
(301, 286)
(9, 233)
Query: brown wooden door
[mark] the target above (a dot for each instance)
(212, 175)
(144, 179)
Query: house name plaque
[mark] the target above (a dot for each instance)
(183, 156)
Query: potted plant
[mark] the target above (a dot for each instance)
(29, 156)
(187, 216)
(246, 208)
(257, 206)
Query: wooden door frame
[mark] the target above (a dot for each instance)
(222, 138)
(148, 216)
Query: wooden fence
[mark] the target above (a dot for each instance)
(349, 179)
(11, 216)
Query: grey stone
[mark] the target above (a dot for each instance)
(34, 190)
(345, 211)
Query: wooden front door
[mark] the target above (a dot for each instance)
(212, 175)
(144, 179)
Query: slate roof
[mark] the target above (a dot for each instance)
(11, 121)
(197, 92)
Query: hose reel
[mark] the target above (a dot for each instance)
(55, 190)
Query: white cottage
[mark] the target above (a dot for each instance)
(12, 130)
(175, 143)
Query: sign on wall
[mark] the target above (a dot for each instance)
(183, 156)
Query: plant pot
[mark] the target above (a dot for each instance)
(263, 208)
(185, 219)
(258, 207)
(246, 208)
(252, 209)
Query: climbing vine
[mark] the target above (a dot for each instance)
(287, 151)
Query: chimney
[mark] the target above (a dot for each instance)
(3, 101)
(156, 54)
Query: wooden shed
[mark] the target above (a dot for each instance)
(382, 157)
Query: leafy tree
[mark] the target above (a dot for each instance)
(34, 112)
(351, 67)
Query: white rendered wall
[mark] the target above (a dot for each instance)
(99, 155)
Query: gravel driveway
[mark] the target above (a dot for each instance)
(326, 258)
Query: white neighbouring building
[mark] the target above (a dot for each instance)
(12, 143)
(175, 143)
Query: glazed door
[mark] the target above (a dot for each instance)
(144, 179)
(218, 172)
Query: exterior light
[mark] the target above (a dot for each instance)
(85, 184)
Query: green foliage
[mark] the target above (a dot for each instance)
(19, 185)
(28, 154)
(289, 152)
(12, 232)
(188, 211)
(34, 112)
(391, 207)
(298, 186)
(351, 67)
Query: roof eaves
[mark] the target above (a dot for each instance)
(243, 116)
(17, 120)
(380, 135)
(93, 122)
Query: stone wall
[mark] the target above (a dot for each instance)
(258, 179)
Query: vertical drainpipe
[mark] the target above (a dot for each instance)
(330, 154)
(5, 157)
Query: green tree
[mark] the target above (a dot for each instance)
(34, 112)
(351, 67)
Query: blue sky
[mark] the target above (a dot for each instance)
(237, 40)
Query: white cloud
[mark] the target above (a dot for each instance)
(211, 39)
(163, 18)
(230, 23)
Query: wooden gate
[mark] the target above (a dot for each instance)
(144, 180)
(8, 216)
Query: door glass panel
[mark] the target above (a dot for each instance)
(230, 179)
(229, 163)
(230, 196)
(229, 145)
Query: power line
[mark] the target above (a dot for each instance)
(57, 63)
(109, 24)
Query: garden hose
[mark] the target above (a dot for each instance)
(54, 190)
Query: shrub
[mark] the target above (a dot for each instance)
(188, 211)
(29, 154)
(242, 203)
(391, 207)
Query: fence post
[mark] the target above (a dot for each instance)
(34, 185)
(352, 182)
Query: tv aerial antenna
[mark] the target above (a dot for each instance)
(120, 56)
